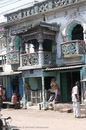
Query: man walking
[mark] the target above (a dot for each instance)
(75, 100)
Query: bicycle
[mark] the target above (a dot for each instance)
(5, 124)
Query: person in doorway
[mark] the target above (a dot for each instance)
(4, 94)
(26, 89)
(75, 100)
(85, 100)
(53, 90)
(1, 97)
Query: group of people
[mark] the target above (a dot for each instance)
(75, 96)
(2, 95)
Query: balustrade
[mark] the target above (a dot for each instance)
(39, 7)
(38, 58)
(13, 57)
(73, 47)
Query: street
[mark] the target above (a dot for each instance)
(43, 120)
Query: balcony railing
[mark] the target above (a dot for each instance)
(40, 7)
(38, 58)
(73, 47)
(13, 57)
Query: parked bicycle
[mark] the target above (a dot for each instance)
(4, 124)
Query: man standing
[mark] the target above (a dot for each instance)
(75, 100)
(85, 100)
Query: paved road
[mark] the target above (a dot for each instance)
(44, 120)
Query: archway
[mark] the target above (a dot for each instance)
(75, 32)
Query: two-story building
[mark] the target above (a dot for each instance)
(43, 41)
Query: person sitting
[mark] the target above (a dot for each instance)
(26, 89)
(53, 90)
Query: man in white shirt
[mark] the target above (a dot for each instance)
(75, 100)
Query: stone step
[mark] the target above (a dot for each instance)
(82, 106)
(66, 110)
(82, 111)
(60, 106)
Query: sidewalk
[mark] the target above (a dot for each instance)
(44, 120)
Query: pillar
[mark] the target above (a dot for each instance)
(41, 54)
(43, 92)
(24, 99)
(9, 93)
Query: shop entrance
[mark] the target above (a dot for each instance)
(15, 85)
(67, 81)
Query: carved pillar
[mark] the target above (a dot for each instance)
(41, 55)
(40, 46)
(40, 41)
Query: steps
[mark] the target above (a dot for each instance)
(63, 107)
(67, 108)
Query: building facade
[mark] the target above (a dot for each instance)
(44, 41)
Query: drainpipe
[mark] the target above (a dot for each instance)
(24, 99)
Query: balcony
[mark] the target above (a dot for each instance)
(72, 52)
(38, 58)
(74, 47)
(13, 57)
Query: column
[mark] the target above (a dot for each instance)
(24, 98)
(41, 55)
(84, 33)
(20, 51)
(9, 93)
(43, 93)
(82, 76)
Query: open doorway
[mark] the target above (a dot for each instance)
(47, 81)
(67, 81)
(77, 32)
(15, 85)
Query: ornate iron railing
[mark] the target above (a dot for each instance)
(38, 58)
(73, 47)
(13, 57)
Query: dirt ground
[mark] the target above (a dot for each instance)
(44, 120)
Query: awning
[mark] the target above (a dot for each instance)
(10, 73)
(64, 68)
